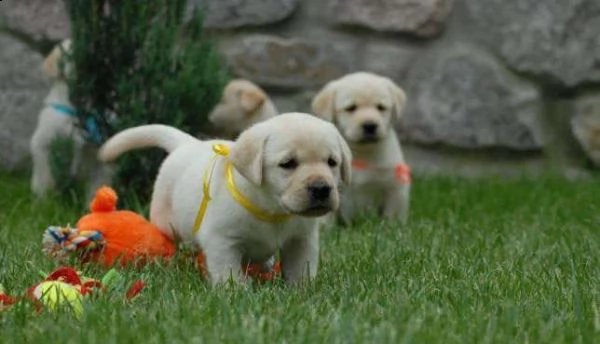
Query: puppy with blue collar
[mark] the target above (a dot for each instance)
(58, 119)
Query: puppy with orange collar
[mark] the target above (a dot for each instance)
(364, 107)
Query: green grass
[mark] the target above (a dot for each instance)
(481, 261)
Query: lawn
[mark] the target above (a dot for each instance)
(481, 261)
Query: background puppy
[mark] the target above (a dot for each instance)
(364, 107)
(243, 104)
(291, 176)
(58, 119)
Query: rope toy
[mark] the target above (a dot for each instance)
(59, 242)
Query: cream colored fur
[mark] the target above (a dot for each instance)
(229, 234)
(351, 102)
(242, 105)
(52, 124)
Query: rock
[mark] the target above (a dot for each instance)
(585, 124)
(423, 18)
(275, 61)
(38, 18)
(463, 97)
(22, 90)
(430, 161)
(296, 102)
(228, 14)
(390, 59)
(557, 40)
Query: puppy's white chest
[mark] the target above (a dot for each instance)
(257, 240)
(262, 241)
(371, 188)
(374, 177)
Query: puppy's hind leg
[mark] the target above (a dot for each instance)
(161, 207)
(41, 178)
(78, 151)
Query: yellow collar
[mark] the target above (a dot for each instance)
(223, 150)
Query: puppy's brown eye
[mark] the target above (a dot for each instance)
(331, 162)
(381, 107)
(350, 108)
(289, 164)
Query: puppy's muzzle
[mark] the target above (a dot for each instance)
(370, 131)
(369, 128)
(319, 192)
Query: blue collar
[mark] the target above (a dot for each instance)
(92, 130)
(65, 109)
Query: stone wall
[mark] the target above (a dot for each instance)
(494, 86)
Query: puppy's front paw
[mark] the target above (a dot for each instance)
(231, 283)
(298, 278)
(224, 266)
(300, 260)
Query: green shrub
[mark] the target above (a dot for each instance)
(147, 63)
(68, 185)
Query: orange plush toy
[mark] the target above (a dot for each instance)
(108, 236)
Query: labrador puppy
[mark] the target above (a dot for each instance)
(364, 107)
(243, 104)
(58, 119)
(52, 122)
(240, 202)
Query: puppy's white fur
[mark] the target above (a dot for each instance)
(351, 102)
(229, 234)
(53, 123)
(243, 104)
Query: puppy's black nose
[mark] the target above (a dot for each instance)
(369, 128)
(319, 190)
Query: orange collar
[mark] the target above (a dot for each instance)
(401, 171)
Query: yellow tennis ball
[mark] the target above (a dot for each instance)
(56, 293)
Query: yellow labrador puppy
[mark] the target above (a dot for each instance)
(240, 202)
(53, 121)
(58, 118)
(243, 104)
(364, 107)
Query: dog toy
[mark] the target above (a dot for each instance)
(65, 288)
(5, 300)
(108, 236)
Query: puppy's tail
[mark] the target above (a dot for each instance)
(153, 135)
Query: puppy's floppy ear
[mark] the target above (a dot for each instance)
(51, 63)
(247, 155)
(398, 98)
(323, 104)
(250, 100)
(346, 164)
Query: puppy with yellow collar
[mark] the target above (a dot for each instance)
(241, 202)
(364, 107)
